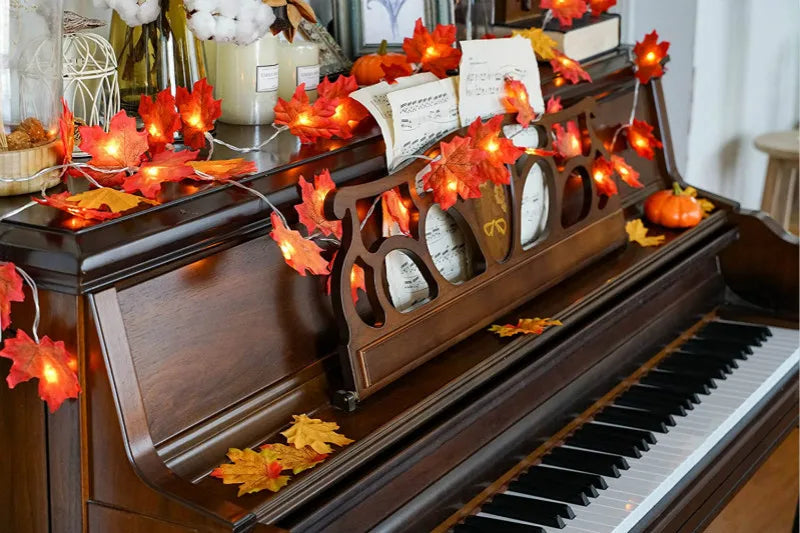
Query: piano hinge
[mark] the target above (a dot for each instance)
(345, 400)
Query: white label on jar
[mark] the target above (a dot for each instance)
(308, 75)
(266, 78)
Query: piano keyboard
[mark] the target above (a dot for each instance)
(607, 475)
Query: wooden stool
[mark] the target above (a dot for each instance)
(780, 197)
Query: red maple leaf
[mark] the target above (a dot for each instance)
(602, 174)
(626, 172)
(198, 111)
(66, 127)
(601, 6)
(357, 279)
(48, 361)
(567, 143)
(455, 173)
(433, 51)
(299, 253)
(397, 210)
(347, 115)
(341, 88)
(121, 147)
(553, 105)
(515, 100)
(649, 54)
(310, 211)
(641, 139)
(166, 166)
(161, 119)
(59, 201)
(305, 121)
(565, 10)
(569, 68)
(10, 291)
(224, 169)
(396, 70)
(498, 151)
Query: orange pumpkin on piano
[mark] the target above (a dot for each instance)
(673, 208)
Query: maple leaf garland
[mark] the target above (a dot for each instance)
(305, 121)
(10, 291)
(396, 70)
(626, 172)
(565, 10)
(396, 209)
(569, 68)
(515, 100)
(310, 210)
(299, 253)
(224, 169)
(601, 6)
(649, 54)
(433, 51)
(567, 142)
(60, 202)
(198, 111)
(602, 172)
(166, 166)
(499, 151)
(454, 173)
(161, 120)
(122, 147)
(641, 139)
(66, 127)
(553, 105)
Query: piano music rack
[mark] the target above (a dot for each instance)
(375, 354)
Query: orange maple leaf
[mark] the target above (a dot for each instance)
(48, 361)
(121, 147)
(455, 173)
(515, 100)
(310, 210)
(198, 111)
(626, 172)
(565, 10)
(305, 121)
(601, 6)
(637, 232)
(224, 169)
(10, 291)
(499, 151)
(396, 70)
(314, 433)
(161, 119)
(348, 114)
(295, 459)
(567, 143)
(357, 279)
(528, 326)
(341, 88)
(299, 253)
(254, 471)
(553, 105)
(397, 210)
(433, 51)
(166, 166)
(641, 139)
(649, 54)
(569, 68)
(59, 201)
(66, 127)
(602, 174)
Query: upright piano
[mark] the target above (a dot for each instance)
(673, 376)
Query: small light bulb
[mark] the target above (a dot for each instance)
(492, 146)
(153, 130)
(195, 120)
(452, 185)
(112, 148)
(287, 250)
(50, 374)
(650, 57)
(303, 119)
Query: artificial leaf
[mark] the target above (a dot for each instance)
(455, 173)
(122, 147)
(626, 172)
(705, 204)
(433, 51)
(602, 174)
(47, 361)
(341, 88)
(641, 139)
(115, 201)
(295, 459)
(567, 142)
(59, 201)
(569, 68)
(601, 6)
(305, 121)
(254, 471)
(296, 11)
(541, 152)
(637, 232)
(224, 169)
(299, 253)
(515, 100)
(310, 211)
(166, 166)
(161, 119)
(66, 127)
(198, 111)
(314, 433)
(357, 279)
(347, 115)
(553, 105)
(397, 210)
(649, 54)
(10, 291)
(528, 326)
(396, 70)
(541, 43)
(565, 10)
(498, 151)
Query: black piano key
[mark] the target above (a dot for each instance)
(686, 399)
(654, 406)
(716, 348)
(652, 398)
(677, 368)
(529, 510)
(632, 419)
(561, 492)
(482, 524)
(635, 435)
(694, 360)
(609, 444)
(596, 463)
(676, 383)
(585, 480)
(737, 331)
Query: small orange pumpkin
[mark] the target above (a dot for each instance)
(673, 209)
(367, 69)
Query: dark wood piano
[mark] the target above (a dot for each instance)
(671, 380)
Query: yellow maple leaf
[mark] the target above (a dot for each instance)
(528, 326)
(638, 233)
(254, 471)
(295, 459)
(315, 433)
(116, 201)
(706, 205)
(540, 42)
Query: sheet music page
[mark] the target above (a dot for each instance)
(374, 98)
(484, 65)
(422, 115)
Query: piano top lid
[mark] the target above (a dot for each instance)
(193, 220)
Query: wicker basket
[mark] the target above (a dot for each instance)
(17, 166)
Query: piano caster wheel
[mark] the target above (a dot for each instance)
(345, 400)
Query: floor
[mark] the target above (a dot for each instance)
(767, 503)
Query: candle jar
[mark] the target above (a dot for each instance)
(247, 81)
(299, 63)
(30, 94)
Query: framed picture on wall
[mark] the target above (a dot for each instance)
(363, 24)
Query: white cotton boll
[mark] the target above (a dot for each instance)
(203, 25)
(226, 29)
(126, 11)
(101, 3)
(204, 5)
(148, 11)
(228, 9)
